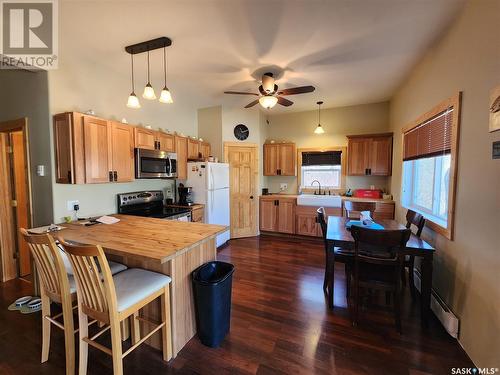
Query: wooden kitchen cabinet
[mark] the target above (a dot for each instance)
(181, 148)
(305, 217)
(122, 138)
(193, 149)
(198, 214)
(145, 138)
(279, 159)
(268, 215)
(369, 155)
(97, 143)
(204, 150)
(154, 140)
(277, 214)
(92, 150)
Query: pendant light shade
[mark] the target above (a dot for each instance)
(133, 100)
(319, 129)
(165, 95)
(149, 92)
(268, 101)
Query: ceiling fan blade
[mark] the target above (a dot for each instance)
(240, 93)
(297, 90)
(252, 103)
(284, 101)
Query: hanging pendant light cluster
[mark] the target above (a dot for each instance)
(149, 92)
(319, 129)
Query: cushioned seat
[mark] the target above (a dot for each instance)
(134, 285)
(114, 266)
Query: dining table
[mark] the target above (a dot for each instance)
(338, 235)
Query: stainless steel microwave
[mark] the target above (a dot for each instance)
(155, 164)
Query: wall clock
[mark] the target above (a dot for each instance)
(241, 132)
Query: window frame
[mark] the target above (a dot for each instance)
(343, 166)
(455, 102)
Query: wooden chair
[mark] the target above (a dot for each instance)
(377, 265)
(331, 256)
(111, 300)
(418, 221)
(352, 209)
(57, 286)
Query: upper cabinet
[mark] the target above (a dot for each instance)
(181, 148)
(154, 140)
(193, 149)
(279, 159)
(369, 155)
(91, 150)
(204, 150)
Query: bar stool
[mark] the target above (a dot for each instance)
(111, 300)
(57, 284)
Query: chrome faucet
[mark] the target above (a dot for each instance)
(319, 187)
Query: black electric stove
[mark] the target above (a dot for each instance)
(149, 204)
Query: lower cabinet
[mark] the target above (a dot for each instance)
(305, 217)
(277, 214)
(197, 214)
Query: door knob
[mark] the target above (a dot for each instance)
(251, 196)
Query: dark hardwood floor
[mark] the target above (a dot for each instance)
(280, 325)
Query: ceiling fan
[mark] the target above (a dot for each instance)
(270, 95)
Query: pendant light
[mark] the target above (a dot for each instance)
(165, 95)
(133, 100)
(319, 129)
(149, 92)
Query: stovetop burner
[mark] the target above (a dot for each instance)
(147, 204)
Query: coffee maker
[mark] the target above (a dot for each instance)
(185, 198)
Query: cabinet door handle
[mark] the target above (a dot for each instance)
(69, 177)
(110, 176)
(115, 175)
(159, 145)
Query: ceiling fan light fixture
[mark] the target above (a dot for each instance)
(268, 101)
(166, 96)
(133, 101)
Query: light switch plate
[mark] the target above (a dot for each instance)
(283, 186)
(71, 204)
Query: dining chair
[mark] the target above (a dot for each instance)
(56, 286)
(111, 300)
(332, 255)
(353, 208)
(378, 261)
(413, 219)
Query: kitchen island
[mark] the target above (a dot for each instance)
(173, 248)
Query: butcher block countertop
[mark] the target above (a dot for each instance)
(146, 238)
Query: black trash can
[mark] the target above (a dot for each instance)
(212, 284)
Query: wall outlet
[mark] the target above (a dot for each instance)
(283, 186)
(71, 205)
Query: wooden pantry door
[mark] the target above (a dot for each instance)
(243, 182)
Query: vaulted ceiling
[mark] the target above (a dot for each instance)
(353, 51)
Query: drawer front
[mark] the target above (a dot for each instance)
(384, 211)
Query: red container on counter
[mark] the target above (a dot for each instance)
(368, 193)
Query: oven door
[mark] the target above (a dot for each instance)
(154, 164)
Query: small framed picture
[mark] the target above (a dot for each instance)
(495, 109)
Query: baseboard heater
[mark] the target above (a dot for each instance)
(449, 321)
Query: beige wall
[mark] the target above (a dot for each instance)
(210, 129)
(465, 270)
(338, 122)
(25, 94)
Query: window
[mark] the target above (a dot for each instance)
(322, 166)
(429, 165)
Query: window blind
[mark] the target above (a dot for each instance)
(321, 158)
(430, 138)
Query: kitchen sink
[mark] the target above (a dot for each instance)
(319, 200)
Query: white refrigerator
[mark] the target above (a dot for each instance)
(210, 186)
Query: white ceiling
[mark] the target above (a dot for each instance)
(352, 51)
